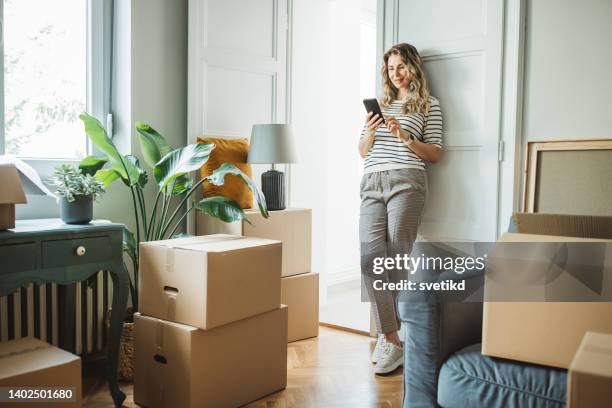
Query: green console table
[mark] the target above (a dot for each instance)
(49, 251)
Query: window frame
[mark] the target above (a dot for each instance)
(99, 77)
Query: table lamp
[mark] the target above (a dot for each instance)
(272, 144)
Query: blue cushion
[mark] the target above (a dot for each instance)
(469, 379)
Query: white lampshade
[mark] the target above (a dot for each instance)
(271, 144)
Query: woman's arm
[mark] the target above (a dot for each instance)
(367, 141)
(425, 151)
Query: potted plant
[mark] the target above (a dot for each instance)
(77, 192)
(174, 200)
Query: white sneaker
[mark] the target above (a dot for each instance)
(380, 346)
(391, 358)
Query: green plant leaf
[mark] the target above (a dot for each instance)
(91, 164)
(182, 184)
(181, 161)
(129, 244)
(218, 178)
(152, 144)
(97, 135)
(222, 208)
(107, 176)
(138, 173)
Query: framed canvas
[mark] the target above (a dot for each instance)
(568, 177)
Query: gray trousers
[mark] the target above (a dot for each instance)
(392, 204)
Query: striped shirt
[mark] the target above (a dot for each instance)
(388, 152)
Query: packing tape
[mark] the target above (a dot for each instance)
(170, 306)
(169, 259)
(159, 336)
(24, 351)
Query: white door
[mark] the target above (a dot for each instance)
(237, 68)
(461, 44)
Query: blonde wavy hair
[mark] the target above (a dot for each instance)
(418, 91)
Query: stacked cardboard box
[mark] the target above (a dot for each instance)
(589, 381)
(29, 363)
(548, 332)
(299, 286)
(211, 329)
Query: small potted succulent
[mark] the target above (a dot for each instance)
(77, 192)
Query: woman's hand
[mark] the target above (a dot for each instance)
(372, 122)
(396, 129)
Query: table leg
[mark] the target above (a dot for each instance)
(66, 308)
(120, 294)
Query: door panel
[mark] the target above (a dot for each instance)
(461, 44)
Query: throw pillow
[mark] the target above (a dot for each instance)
(234, 151)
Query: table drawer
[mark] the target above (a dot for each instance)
(17, 258)
(77, 251)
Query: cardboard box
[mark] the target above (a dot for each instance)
(209, 281)
(291, 226)
(589, 381)
(301, 294)
(177, 365)
(11, 194)
(547, 333)
(29, 362)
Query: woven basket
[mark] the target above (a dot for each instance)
(126, 353)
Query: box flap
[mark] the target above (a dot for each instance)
(583, 226)
(12, 191)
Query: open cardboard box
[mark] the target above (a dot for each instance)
(548, 333)
(12, 193)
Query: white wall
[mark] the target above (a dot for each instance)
(150, 85)
(568, 60)
(309, 119)
(327, 117)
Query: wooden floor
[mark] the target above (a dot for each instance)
(332, 370)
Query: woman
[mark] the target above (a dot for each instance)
(394, 184)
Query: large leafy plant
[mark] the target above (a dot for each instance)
(171, 170)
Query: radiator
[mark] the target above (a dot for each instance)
(34, 311)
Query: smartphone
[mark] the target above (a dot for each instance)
(372, 105)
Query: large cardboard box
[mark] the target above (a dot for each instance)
(292, 226)
(547, 333)
(29, 362)
(301, 294)
(211, 280)
(589, 381)
(181, 366)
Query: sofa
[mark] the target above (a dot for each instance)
(443, 364)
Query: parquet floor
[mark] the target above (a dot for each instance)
(332, 370)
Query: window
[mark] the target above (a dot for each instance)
(56, 58)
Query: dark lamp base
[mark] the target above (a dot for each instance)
(273, 188)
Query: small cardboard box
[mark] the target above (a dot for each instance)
(546, 333)
(11, 194)
(589, 381)
(32, 363)
(177, 365)
(301, 294)
(291, 226)
(211, 280)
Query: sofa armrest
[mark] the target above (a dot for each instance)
(432, 332)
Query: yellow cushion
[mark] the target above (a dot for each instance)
(234, 151)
